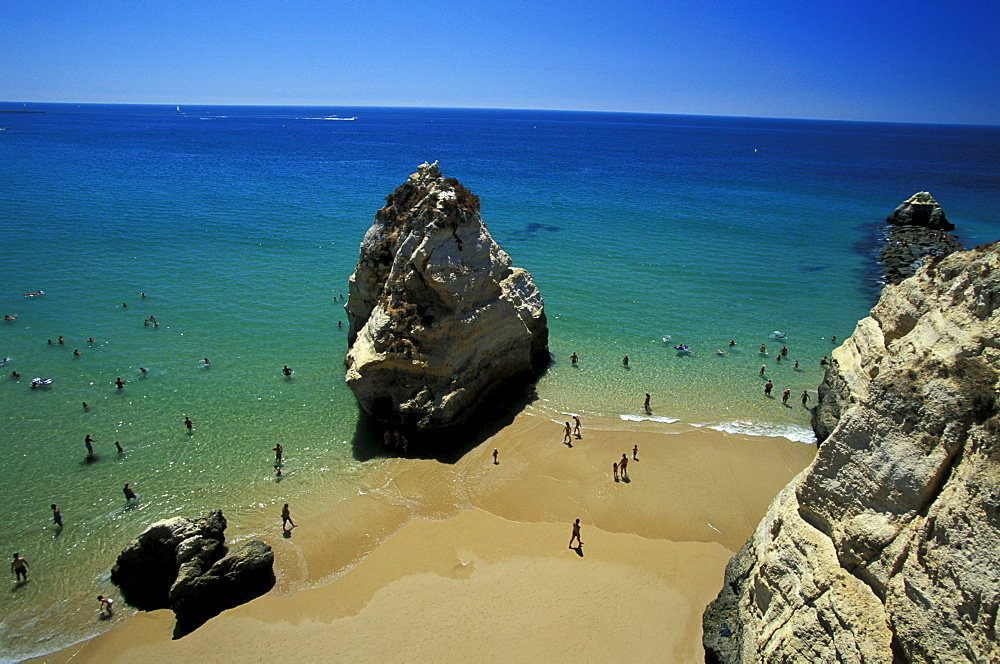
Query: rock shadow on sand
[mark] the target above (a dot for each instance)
(447, 446)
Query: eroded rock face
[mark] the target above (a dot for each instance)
(183, 564)
(438, 316)
(886, 548)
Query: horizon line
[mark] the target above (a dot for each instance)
(496, 108)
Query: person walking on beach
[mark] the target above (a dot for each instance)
(635, 452)
(784, 397)
(286, 517)
(19, 568)
(106, 602)
(56, 515)
(768, 386)
(129, 493)
(614, 469)
(623, 466)
(495, 453)
(645, 404)
(576, 427)
(576, 535)
(804, 398)
(568, 435)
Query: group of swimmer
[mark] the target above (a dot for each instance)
(120, 384)
(768, 386)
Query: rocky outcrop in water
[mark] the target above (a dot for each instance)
(917, 228)
(886, 548)
(183, 564)
(922, 210)
(439, 319)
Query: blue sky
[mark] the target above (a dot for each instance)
(919, 61)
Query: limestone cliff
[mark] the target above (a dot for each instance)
(887, 548)
(439, 319)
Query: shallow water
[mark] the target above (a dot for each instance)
(242, 225)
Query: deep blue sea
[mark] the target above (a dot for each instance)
(241, 225)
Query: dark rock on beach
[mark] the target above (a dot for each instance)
(917, 229)
(183, 564)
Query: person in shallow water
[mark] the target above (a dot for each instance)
(19, 567)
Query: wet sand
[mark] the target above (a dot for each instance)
(470, 562)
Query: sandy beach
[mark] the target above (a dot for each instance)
(470, 561)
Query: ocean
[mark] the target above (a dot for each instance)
(241, 226)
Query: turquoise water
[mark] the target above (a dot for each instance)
(242, 224)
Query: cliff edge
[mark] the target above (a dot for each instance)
(439, 319)
(886, 548)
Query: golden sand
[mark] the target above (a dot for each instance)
(470, 562)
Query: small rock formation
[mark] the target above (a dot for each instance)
(917, 228)
(922, 210)
(886, 548)
(439, 319)
(182, 564)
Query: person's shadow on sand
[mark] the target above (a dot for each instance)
(626, 480)
(579, 550)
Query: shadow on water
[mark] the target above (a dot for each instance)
(447, 446)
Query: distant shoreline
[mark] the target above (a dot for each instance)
(20, 111)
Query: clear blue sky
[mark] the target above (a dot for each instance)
(916, 61)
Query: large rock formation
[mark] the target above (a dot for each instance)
(887, 548)
(182, 564)
(438, 317)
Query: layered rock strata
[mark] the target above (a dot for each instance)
(917, 228)
(183, 564)
(438, 317)
(886, 548)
